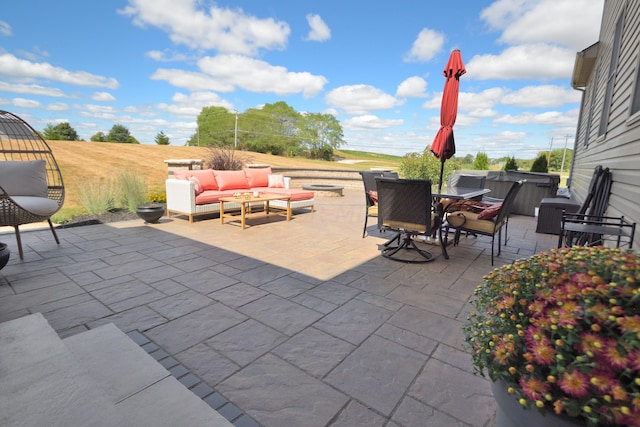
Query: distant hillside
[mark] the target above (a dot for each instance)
(87, 161)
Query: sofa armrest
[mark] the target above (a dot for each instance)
(181, 195)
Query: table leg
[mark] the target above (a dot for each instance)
(221, 212)
(242, 214)
(288, 209)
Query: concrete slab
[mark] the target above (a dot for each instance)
(115, 362)
(171, 406)
(43, 384)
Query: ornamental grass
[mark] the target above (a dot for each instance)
(562, 330)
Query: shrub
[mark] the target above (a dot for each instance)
(225, 158)
(132, 190)
(97, 197)
(540, 164)
(511, 164)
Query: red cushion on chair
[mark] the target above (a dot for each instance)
(373, 194)
(490, 212)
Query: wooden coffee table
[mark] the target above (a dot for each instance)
(245, 206)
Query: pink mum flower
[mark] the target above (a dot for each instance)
(575, 383)
(533, 388)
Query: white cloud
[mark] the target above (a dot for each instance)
(32, 90)
(165, 56)
(426, 46)
(360, 99)
(370, 122)
(413, 87)
(534, 61)
(470, 101)
(103, 97)
(191, 105)
(319, 31)
(259, 76)
(551, 118)
(11, 66)
(542, 96)
(223, 29)
(57, 106)
(545, 21)
(192, 80)
(26, 103)
(5, 29)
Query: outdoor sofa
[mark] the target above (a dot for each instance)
(198, 192)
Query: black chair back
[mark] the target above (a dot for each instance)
(405, 204)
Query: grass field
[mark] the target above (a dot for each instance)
(84, 162)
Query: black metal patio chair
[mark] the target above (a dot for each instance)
(406, 206)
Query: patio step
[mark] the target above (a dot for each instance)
(99, 377)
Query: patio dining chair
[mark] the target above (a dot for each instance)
(371, 194)
(407, 207)
(31, 187)
(489, 222)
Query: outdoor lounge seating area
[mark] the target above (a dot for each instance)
(198, 192)
(299, 323)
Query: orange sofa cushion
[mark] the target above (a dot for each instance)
(231, 180)
(257, 177)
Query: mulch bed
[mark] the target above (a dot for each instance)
(113, 216)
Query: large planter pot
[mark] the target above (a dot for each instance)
(4, 255)
(510, 413)
(150, 212)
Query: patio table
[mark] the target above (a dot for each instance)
(459, 193)
(245, 206)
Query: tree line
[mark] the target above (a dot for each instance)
(118, 133)
(274, 129)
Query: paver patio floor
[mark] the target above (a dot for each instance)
(298, 323)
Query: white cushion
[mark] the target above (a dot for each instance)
(37, 205)
(28, 178)
(276, 181)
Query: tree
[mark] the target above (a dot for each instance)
(511, 164)
(99, 137)
(120, 133)
(481, 162)
(426, 166)
(275, 129)
(216, 126)
(62, 132)
(162, 139)
(321, 134)
(540, 164)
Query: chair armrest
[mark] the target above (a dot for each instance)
(181, 195)
(590, 230)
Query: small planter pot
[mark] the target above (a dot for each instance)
(150, 212)
(4, 255)
(510, 413)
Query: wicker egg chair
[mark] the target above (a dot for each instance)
(25, 197)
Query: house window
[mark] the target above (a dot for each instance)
(635, 102)
(613, 67)
(592, 107)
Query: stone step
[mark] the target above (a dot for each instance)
(99, 377)
(42, 383)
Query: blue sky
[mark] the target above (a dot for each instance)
(151, 65)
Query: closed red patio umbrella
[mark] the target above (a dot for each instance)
(444, 146)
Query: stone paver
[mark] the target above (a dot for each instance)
(297, 323)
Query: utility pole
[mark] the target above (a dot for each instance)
(235, 133)
(549, 155)
(564, 154)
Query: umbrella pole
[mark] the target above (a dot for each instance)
(441, 173)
